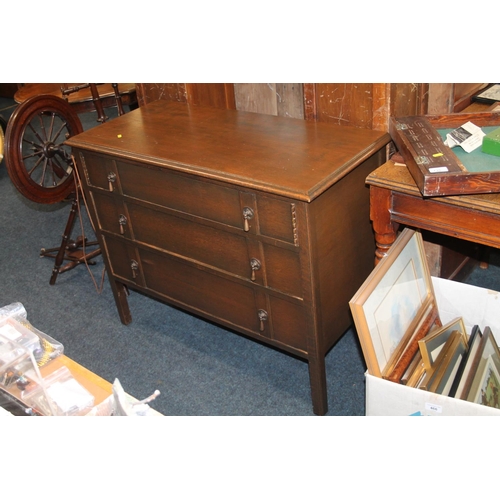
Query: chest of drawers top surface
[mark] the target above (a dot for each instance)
(284, 156)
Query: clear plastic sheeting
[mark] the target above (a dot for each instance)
(46, 348)
(24, 350)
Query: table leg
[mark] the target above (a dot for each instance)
(380, 214)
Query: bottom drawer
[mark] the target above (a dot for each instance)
(238, 304)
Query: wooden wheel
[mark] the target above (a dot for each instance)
(1, 142)
(37, 161)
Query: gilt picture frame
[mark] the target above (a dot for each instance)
(446, 365)
(392, 303)
(431, 345)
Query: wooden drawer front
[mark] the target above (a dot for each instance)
(289, 323)
(124, 259)
(182, 193)
(277, 219)
(233, 302)
(205, 292)
(208, 245)
(283, 270)
(225, 299)
(100, 171)
(112, 214)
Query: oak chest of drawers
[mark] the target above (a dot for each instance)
(257, 222)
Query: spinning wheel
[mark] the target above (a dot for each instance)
(37, 161)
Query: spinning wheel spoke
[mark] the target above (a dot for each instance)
(37, 152)
(30, 172)
(44, 171)
(53, 115)
(55, 137)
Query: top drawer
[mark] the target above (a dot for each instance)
(253, 213)
(99, 171)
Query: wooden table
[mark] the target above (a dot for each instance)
(82, 101)
(395, 199)
(259, 223)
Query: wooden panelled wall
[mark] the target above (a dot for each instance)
(364, 105)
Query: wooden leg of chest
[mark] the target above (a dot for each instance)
(317, 376)
(120, 293)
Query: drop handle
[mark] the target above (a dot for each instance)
(122, 221)
(247, 215)
(262, 314)
(254, 266)
(111, 181)
(134, 265)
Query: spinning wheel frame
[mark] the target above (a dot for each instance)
(1, 142)
(38, 163)
(58, 120)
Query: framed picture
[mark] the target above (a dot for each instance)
(414, 365)
(463, 369)
(417, 375)
(489, 385)
(489, 95)
(395, 307)
(441, 375)
(430, 346)
(485, 384)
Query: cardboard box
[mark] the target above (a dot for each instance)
(476, 306)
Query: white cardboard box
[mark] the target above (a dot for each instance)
(476, 306)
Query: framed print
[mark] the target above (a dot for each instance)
(489, 95)
(417, 375)
(489, 385)
(414, 365)
(394, 306)
(486, 377)
(447, 363)
(431, 345)
(463, 369)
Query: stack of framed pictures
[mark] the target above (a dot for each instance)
(403, 339)
(478, 377)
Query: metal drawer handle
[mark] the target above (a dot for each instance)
(262, 318)
(122, 221)
(254, 266)
(134, 265)
(111, 180)
(247, 215)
